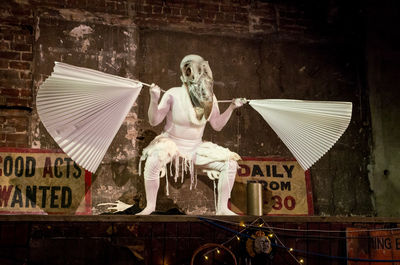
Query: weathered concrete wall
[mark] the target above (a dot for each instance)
(322, 71)
(272, 68)
(255, 49)
(383, 55)
(234, 62)
(104, 42)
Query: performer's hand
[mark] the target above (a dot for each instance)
(155, 92)
(238, 102)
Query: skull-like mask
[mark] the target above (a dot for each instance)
(197, 77)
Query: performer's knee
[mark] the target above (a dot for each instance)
(152, 167)
(232, 167)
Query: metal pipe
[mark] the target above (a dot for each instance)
(254, 199)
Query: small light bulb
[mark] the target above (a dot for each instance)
(218, 251)
(271, 235)
(206, 257)
(242, 224)
(290, 249)
(301, 261)
(260, 225)
(238, 238)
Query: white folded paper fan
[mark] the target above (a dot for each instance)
(83, 109)
(308, 128)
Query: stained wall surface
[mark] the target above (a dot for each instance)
(383, 54)
(256, 49)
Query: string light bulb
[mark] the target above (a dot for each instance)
(301, 261)
(238, 238)
(290, 249)
(206, 257)
(218, 251)
(271, 235)
(242, 224)
(260, 225)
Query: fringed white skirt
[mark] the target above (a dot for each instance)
(185, 155)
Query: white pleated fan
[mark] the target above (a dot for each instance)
(83, 109)
(308, 128)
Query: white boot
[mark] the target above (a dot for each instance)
(151, 187)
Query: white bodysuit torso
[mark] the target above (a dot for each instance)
(181, 121)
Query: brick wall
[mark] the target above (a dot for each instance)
(19, 23)
(278, 48)
(16, 41)
(226, 17)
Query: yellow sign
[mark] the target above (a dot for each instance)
(286, 186)
(34, 181)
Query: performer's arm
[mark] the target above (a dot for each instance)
(218, 120)
(157, 112)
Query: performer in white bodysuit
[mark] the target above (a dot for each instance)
(187, 109)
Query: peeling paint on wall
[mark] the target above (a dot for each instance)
(22, 2)
(85, 45)
(80, 31)
(37, 28)
(269, 68)
(132, 132)
(41, 52)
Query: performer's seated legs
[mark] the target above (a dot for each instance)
(151, 183)
(218, 162)
(225, 183)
